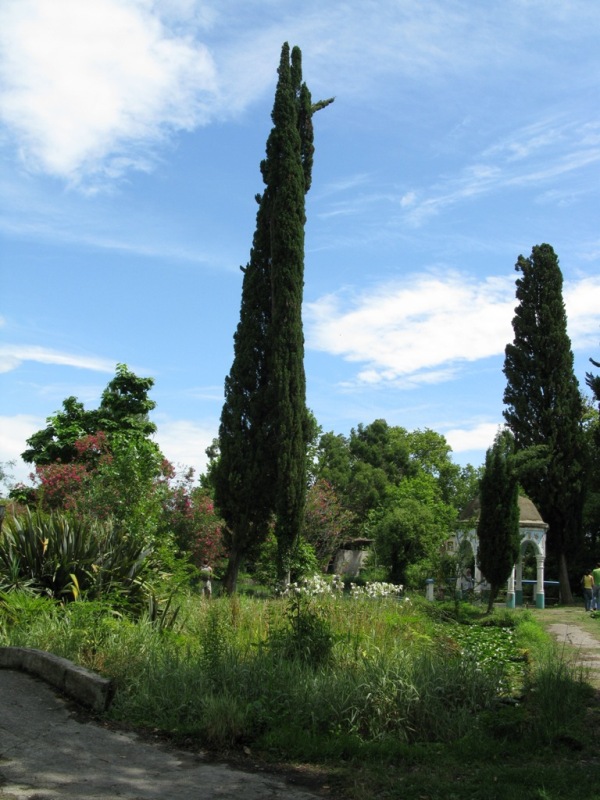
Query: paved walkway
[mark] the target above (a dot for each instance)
(47, 752)
(579, 634)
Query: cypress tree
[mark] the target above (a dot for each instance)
(289, 154)
(265, 428)
(544, 406)
(498, 525)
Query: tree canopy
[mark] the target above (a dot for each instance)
(123, 410)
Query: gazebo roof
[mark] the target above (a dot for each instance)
(529, 516)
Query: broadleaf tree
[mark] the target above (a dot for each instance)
(544, 407)
(265, 426)
(124, 409)
(498, 524)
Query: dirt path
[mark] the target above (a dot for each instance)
(579, 632)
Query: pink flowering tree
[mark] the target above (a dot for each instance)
(189, 517)
(326, 521)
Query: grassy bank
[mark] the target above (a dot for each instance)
(390, 697)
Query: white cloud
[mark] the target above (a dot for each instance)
(479, 437)
(184, 442)
(12, 356)
(88, 88)
(411, 329)
(14, 432)
(582, 303)
(420, 330)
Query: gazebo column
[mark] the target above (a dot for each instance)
(519, 581)
(510, 591)
(540, 595)
(477, 576)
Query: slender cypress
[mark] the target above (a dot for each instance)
(264, 431)
(544, 407)
(289, 174)
(498, 525)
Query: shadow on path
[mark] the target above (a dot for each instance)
(48, 753)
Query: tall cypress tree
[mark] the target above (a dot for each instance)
(289, 154)
(265, 426)
(498, 525)
(544, 406)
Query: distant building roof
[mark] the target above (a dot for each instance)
(529, 516)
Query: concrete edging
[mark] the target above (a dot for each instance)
(78, 683)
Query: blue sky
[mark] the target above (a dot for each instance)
(131, 132)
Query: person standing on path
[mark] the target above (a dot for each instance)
(596, 592)
(588, 589)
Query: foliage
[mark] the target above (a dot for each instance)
(410, 529)
(68, 558)
(287, 175)
(189, 520)
(124, 409)
(593, 381)
(265, 426)
(403, 490)
(544, 408)
(302, 562)
(123, 479)
(406, 704)
(326, 521)
(498, 525)
(101, 463)
(304, 632)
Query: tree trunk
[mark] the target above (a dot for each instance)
(566, 595)
(232, 571)
(493, 595)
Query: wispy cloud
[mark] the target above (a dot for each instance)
(12, 356)
(531, 157)
(88, 89)
(421, 330)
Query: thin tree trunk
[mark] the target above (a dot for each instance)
(492, 598)
(232, 571)
(566, 595)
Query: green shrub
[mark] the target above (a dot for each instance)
(67, 557)
(304, 632)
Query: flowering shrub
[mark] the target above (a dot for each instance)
(326, 521)
(318, 585)
(376, 589)
(189, 516)
(314, 586)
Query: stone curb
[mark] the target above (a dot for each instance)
(78, 683)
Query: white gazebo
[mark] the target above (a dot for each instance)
(533, 534)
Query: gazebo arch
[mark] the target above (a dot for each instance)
(533, 533)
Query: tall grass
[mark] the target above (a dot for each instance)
(244, 670)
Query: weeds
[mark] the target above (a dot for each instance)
(367, 680)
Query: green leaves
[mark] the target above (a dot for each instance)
(68, 558)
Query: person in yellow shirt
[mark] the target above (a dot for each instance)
(588, 589)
